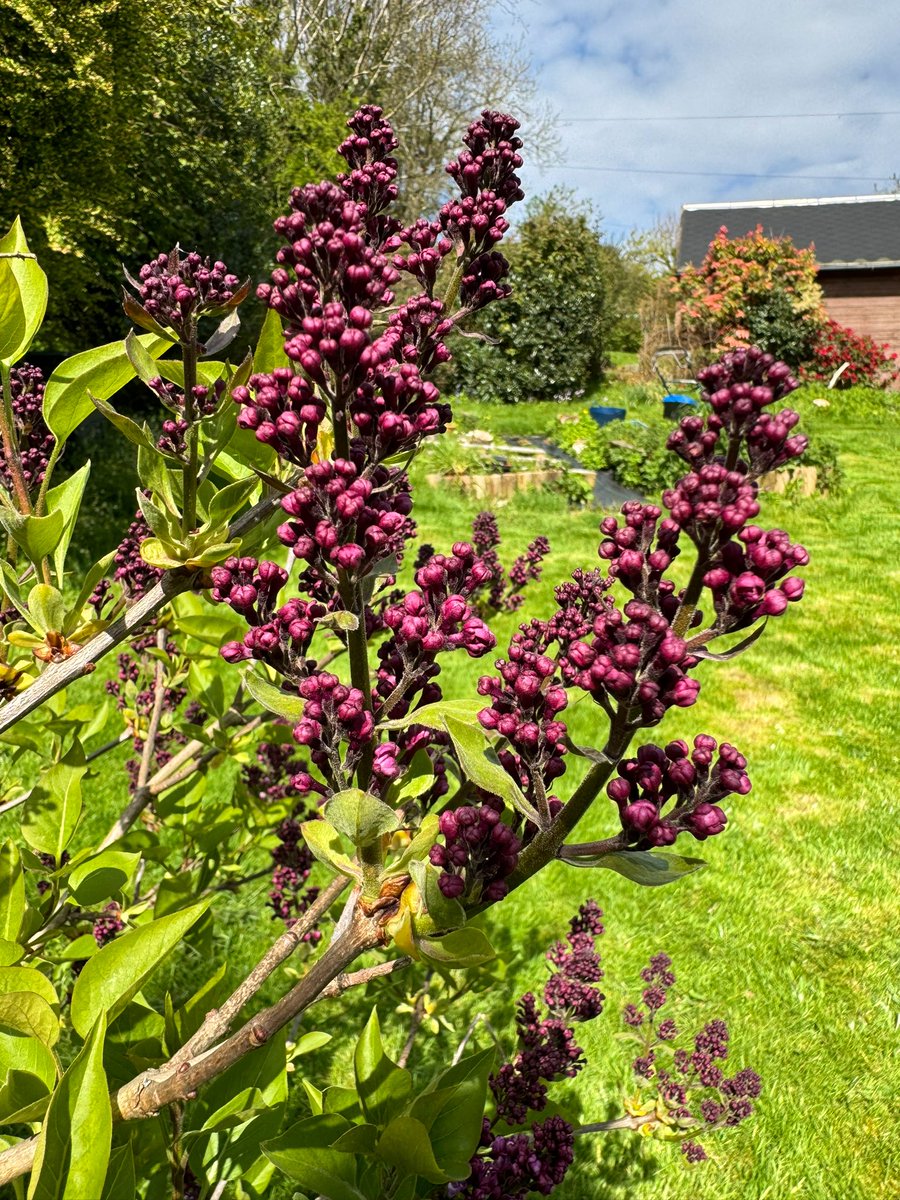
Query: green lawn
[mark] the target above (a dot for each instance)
(791, 932)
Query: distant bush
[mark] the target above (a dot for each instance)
(636, 455)
(634, 451)
(548, 340)
(751, 290)
(870, 364)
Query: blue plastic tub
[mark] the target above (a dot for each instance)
(677, 406)
(605, 416)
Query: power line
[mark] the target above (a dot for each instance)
(723, 174)
(889, 112)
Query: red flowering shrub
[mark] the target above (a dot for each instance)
(869, 363)
(751, 290)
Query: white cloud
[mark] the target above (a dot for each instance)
(714, 57)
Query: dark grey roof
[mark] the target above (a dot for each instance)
(847, 231)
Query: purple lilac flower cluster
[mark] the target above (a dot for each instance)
(284, 411)
(511, 1166)
(333, 714)
(372, 174)
(691, 1086)
(176, 289)
(525, 703)
(280, 636)
(435, 619)
(268, 778)
(485, 173)
(747, 576)
(33, 439)
(738, 387)
(648, 782)
(343, 519)
(204, 402)
(289, 896)
(504, 589)
(133, 574)
(107, 926)
(569, 992)
(478, 853)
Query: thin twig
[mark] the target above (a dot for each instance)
(159, 699)
(84, 660)
(478, 1019)
(344, 982)
(189, 759)
(418, 1016)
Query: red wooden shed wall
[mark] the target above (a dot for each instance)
(867, 300)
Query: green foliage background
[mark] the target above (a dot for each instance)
(550, 339)
(129, 125)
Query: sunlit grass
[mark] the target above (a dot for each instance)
(790, 933)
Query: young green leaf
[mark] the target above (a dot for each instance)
(649, 868)
(361, 816)
(23, 295)
(66, 499)
(325, 845)
(73, 1146)
(102, 876)
(111, 978)
(452, 1108)
(383, 1087)
(12, 892)
(479, 763)
(269, 352)
(406, 1147)
(282, 704)
(432, 715)
(46, 608)
(29, 1014)
(54, 807)
(100, 372)
(38, 536)
(304, 1153)
(27, 979)
(120, 1178)
(465, 947)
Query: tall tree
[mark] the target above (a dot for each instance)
(127, 125)
(429, 67)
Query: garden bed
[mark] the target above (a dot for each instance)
(497, 487)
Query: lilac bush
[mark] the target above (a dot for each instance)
(281, 617)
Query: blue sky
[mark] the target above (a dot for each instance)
(701, 58)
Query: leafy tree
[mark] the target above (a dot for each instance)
(569, 292)
(130, 124)
(429, 67)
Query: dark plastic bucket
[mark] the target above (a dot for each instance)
(605, 416)
(675, 407)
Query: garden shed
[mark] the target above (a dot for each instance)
(857, 246)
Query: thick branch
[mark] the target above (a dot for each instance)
(145, 1095)
(83, 661)
(219, 1020)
